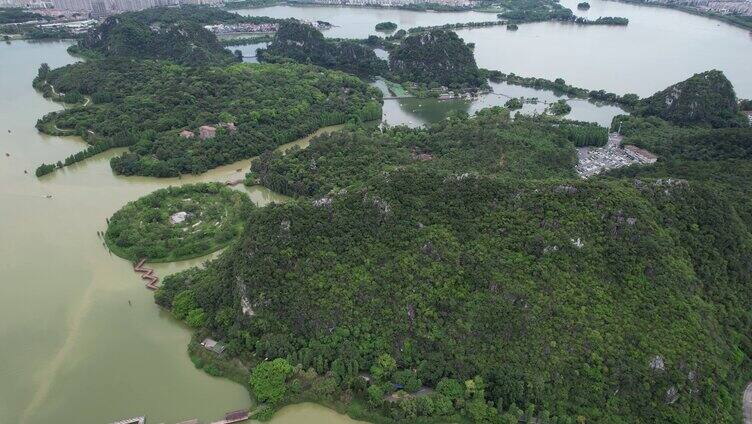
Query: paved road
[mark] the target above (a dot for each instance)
(748, 404)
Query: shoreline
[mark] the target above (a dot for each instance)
(710, 15)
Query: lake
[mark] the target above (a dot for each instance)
(658, 48)
(76, 351)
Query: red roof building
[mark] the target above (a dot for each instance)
(206, 131)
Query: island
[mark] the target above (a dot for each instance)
(427, 62)
(560, 107)
(583, 6)
(173, 124)
(177, 223)
(386, 26)
(526, 11)
(513, 104)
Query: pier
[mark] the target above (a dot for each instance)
(148, 275)
(134, 420)
(229, 418)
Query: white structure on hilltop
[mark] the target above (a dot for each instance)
(178, 217)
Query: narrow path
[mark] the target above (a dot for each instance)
(747, 404)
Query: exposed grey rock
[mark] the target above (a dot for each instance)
(657, 363)
(565, 189)
(672, 395)
(550, 249)
(324, 201)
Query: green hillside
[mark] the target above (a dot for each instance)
(707, 99)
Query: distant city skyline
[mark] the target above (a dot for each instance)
(100, 7)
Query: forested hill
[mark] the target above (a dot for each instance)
(489, 143)
(305, 44)
(438, 57)
(707, 98)
(595, 301)
(144, 105)
(183, 42)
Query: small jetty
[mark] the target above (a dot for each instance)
(146, 274)
(134, 420)
(229, 418)
(234, 417)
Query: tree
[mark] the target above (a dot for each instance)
(183, 303)
(44, 69)
(375, 395)
(268, 380)
(408, 380)
(383, 367)
(513, 104)
(450, 388)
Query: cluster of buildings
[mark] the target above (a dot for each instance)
(206, 132)
(724, 7)
(242, 28)
(393, 3)
(594, 160)
(96, 8)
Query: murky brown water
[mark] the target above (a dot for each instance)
(74, 350)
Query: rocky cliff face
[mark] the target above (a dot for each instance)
(707, 98)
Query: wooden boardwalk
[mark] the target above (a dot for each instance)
(147, 274)
(134, 420)
(229, 418)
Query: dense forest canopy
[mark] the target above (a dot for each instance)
(177, 223)
(489, 143)
(304, 44)
(706, 98)
(584, 299)
(145, 104)
(468, 252)
(436, 57)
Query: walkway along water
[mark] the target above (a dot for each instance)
(147, 274)
(229, 418)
